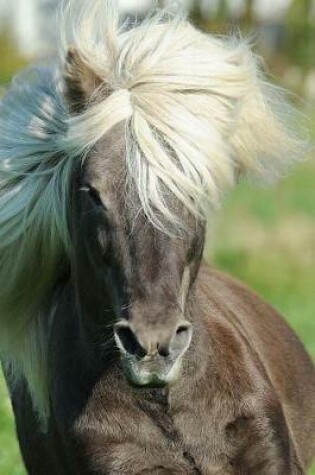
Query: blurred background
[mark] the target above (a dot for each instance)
(266, 237)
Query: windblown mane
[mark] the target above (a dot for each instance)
(198, 114)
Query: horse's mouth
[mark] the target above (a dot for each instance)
(154, 382)
(139, 375)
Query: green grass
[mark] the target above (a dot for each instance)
(10, 61)
(10, 461)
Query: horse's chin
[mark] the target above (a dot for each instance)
(155, 376)
(154, 382)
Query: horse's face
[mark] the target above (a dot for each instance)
(138, 274)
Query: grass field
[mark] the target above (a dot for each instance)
(266, 237)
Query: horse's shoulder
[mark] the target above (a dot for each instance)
(219, 286)
(244, 308)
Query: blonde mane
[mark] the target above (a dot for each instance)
(198, 115)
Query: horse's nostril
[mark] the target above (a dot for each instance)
(163, 345)
(182, 329)
(182, 337)
(129, 341)
(164, 350)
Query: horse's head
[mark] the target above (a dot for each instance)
(132, 274)
(166, 118)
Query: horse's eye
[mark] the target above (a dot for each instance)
(94, 195)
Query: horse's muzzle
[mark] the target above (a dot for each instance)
(152, 360)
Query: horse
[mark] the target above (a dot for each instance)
(124, 353)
